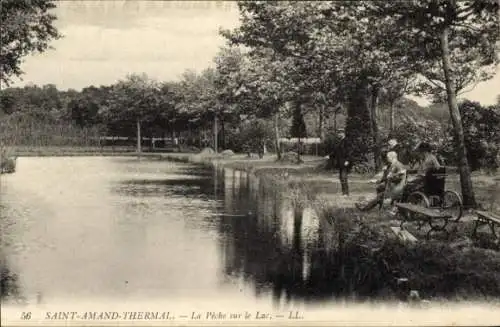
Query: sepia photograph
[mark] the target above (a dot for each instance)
(276, 163)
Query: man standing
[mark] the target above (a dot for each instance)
(342, 161)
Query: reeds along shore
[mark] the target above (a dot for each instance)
(7, 162)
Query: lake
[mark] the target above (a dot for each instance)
(114, 229)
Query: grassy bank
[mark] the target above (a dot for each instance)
(55, 151)
(326, 183)
(69, 151)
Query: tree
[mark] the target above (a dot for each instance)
(262, 89)
(44, 115)
(392, 92)
(85, 107)
(198, 99)
(298, 129)
(358, 127)
(481, 134)
(460, 40)
(168, 114)
(255, 133)
(229, 77)
(134, 99)
(348, 38)
(42, 103)
(331, 50)
(277, 34)
(27, 27)
(8, 98)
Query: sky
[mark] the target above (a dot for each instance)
(104, 40)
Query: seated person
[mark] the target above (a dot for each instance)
(429, 162)
(391, 184)
(392, 145)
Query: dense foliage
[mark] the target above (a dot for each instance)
(297, 69)
(27, 26)
(482, 134)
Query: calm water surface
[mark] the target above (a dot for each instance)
(109, 228)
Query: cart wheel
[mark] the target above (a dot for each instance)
(417, 198)
(452, 204)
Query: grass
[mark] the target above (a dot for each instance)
(326, 183)
(34, 151)
(54, 151)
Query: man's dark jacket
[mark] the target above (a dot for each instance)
(341, 154)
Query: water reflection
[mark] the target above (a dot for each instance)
(272, 247)
(111, 228)
(122, 228)
(10, 290)
(282, 249)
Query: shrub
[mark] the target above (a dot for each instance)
(254, 134)
(374, 260)
(482, 134)
(409, 133)
(233, 140)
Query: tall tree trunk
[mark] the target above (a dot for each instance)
(222, 134)
(277, 135)
(357, 128)
(321, 133)
(172, 135)
(299, 160)
(216, 128)
(335, 121)
(298, 113)
(374, 126)
(139, 138)
(391, 116)
(463, 164)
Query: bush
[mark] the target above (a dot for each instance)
(374, 259)
(482, 135)
(409, 133)
(305, 149)
(254, 134)
(233, 140)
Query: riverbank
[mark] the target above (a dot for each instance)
(364, 255)
(460, 267)
(70, 151)
(326, 183)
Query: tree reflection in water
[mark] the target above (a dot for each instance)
(10, 291)
(275, 246)
(286, 249)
